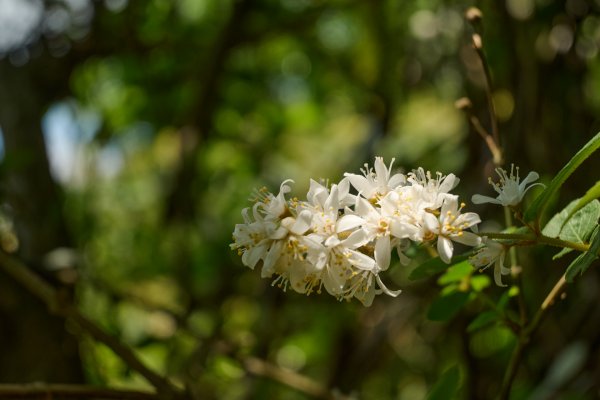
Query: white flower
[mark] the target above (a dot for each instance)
(510, 190)
(491, 253)
(251, 240)
(374, 185)
(338, 257)
(450, 226)
(365, 285)
(272, 206)
(432, 191)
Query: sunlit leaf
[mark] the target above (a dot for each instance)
(592, 194)
(537, 207)
(577, 228)
(434, 266)
(456, 273)
(480, 282)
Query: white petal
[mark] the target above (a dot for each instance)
(531, 177)
(469, 218)
(279, 233)
(479, 199)
(449, 183)
(348, 222)
(361, 261)
(271, 259)
(381, 170)
(383, 252)
(296, 276)
(402, 229)
(344, 187)
(366, 298)
(359, 182)
(387, 291)
(468, 238)
(302, 223)
(431, 222)
(332, 241)
(333, 201)
(445, 249)
(363, 207)
(333, 282)
(356, 239)
(252, 255)
(498, 269)
(317, 194)
(396, 180)
(450, 204)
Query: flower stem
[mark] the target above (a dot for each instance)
(527, 239)
(516, 270)
(525, 338)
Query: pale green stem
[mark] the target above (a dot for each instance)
(515, 269)
(526, 239)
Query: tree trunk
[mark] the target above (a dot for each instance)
(35, 345)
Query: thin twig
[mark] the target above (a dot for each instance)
(290, 378)
(465, 105)
(49, 295)
(478, 45)
(46, 391)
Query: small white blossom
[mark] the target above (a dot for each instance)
(432, 191)
(450, 226)
(375, 184)
(509, 188)
(491, 253)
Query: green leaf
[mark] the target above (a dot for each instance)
(592, 194)
(456, 273)
(582, 263)
(577, 228)
(447, 386)
(537, 207)
(480, 282)
(435, 266)
(445, 307)
(484, 319)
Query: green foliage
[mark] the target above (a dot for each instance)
(536, 209)
(592, 194)
(447, 386)
(572, 224)
(483, 320)
(584, 260)
(434, 266)
(456, 273)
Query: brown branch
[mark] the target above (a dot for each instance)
(464, 104)
(46, 391)
(49, 295)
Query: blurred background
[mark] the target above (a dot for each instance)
(132, 135)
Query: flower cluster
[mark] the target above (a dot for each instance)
(342, 241)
